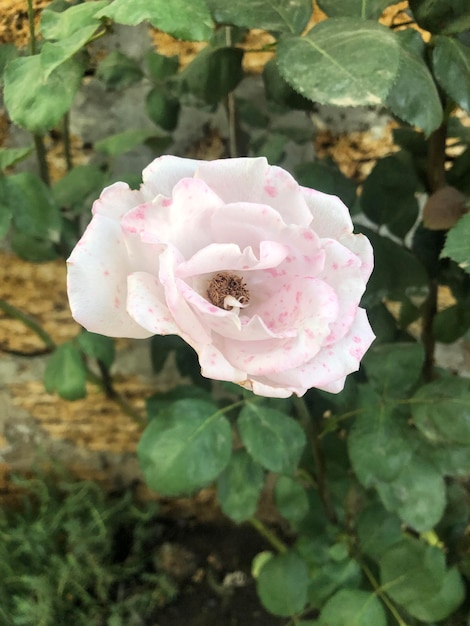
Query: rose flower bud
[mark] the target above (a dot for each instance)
(260, 276)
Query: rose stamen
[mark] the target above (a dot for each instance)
(228, 291)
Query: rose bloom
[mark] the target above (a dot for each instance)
(260, 276)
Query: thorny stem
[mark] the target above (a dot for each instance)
(231, 109)
(66, 138)
(270, 537)
(379, 591)
(436, 179)
(38, 139)
(102, 383)
(313, 436)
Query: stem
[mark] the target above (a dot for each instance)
(383, 596)
(28, 321)
(231, 108)
(313, 435)
(66, 138)
(264, 531)
(38, 139)
(436, 176)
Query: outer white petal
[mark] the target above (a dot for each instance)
(330, 217)
(361, 246)
(254, 180)
(97, 281)
(163, 173)
(116, 199)
(146, 304)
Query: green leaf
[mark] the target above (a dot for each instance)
(415, 576)
(185, 447)
(365, 9)
(284, 16)
(35, 102)
(127, 140)
(160, 67)
(32, 248)
(414, 97)
(273, 439)
(12, 156)
(250, 114)
(447, 17)
(60, 25)
(394, 369)
(416, 494)
(379, 443)
(118, 70)
(441, 411)
(397, 275)
(457, 245)
(352, 606)
(213, 74)
(65, 373)
(239, 487)
(450, 459)
(377, 530)
(5, 217)
(388, 194)
(97, 346)
(291, 499)
(327, 177)
(341, 61)
(55, 54)
(159, 401)
(282, 584)
(162, 108)
(279, 92)
(76, 186)
(451, 64)
(8, 52)
(188, 21)
(272, 146)
(34, 211)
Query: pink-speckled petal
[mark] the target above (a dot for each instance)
(219, 257)
(330, 217)
(115, 200)
(254, 180)
(214, 365)
(147, 306)
(97, 281)
(163, 173)
(361, 246)
(190, 327)
(328, 369)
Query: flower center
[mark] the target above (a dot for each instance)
(228, 291)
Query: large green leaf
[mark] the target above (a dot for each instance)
(457, 245)
(352, 606)
(120, 143)
(452, 323)
(451, 16)
(54, 54)
(327, 177)
(291, 499)
(184, 20)
(213, 73)
(185, 447)
(377, 530)
(365, 9)
(415, 576)
(394, 369)
(397, 275)
(272, 438)
(284, 16)
(414, 97)
(451, 64)
(341, 61)
(118, 70)
(35, 212)
(65, 373)
(441, 411)
(60, 25)
(11, 156)
(37, 102)
(73, 189)
(282, 584)
(388, 194)
(239, 487)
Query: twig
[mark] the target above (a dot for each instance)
(378, 591)
(270, 537)
(231, 108)
(28, 321)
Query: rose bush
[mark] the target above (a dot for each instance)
(262, 277)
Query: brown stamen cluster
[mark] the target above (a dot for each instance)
(224, 284)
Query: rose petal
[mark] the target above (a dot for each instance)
(115, 200)
(361, 246)
(214, 365)
(147, 306)
(330, 217)
(160, 177)
(254, 180)
(96, 281)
